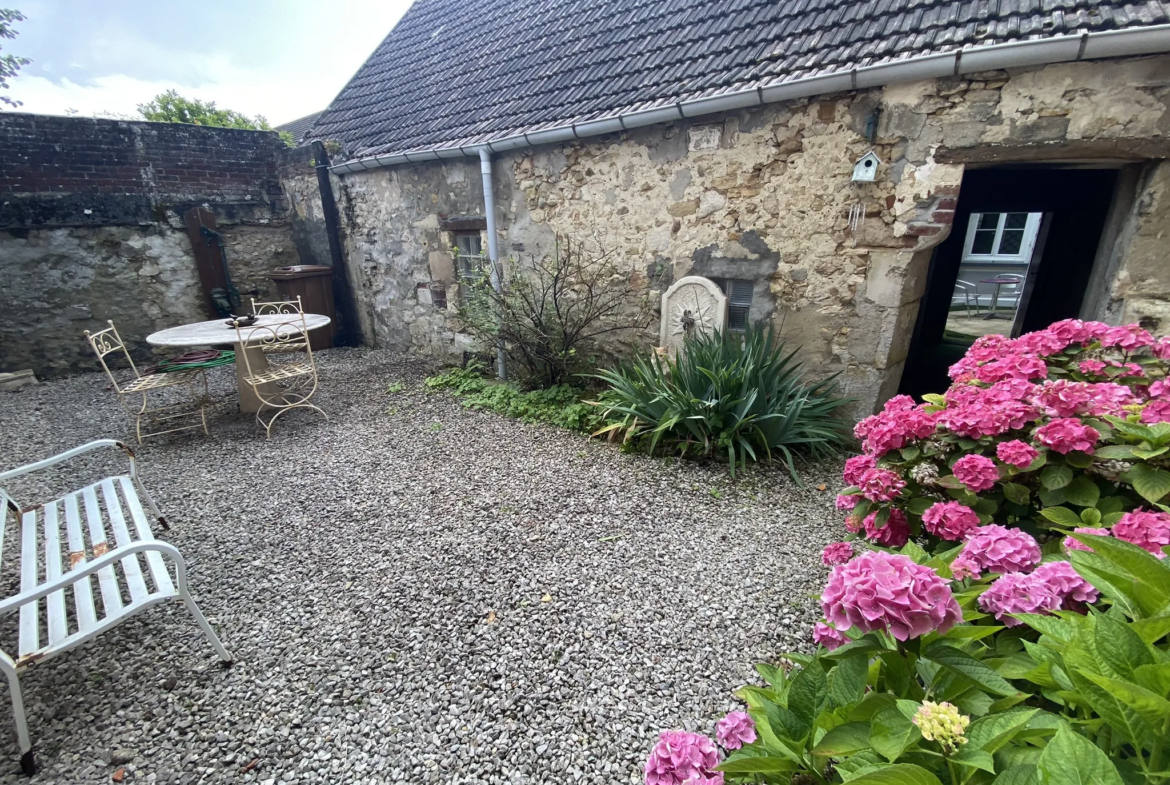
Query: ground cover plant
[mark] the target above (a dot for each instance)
(562, 405)
(739, 395)
(999, 612)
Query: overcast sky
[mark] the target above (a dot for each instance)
(279, 58)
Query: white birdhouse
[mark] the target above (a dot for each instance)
(865, 168)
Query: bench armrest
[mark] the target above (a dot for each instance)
(10, 604)
(47, 462)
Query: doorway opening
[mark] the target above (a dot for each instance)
(1019, 258)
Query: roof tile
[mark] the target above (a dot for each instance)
(466, 71)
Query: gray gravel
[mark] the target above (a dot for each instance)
(417, 593)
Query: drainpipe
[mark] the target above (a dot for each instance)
(489, 211)
(342, 291)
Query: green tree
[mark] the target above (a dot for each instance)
(9, 64)
(170, 107)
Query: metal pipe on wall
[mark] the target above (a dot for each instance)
(351, 334)
(489, 211)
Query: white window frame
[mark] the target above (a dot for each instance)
(1027, 245)
(466, 268)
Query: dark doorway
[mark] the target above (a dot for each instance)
(1018, 259)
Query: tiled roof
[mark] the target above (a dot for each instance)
(464, 71)
(299, 126)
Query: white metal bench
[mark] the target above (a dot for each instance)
(97, 531)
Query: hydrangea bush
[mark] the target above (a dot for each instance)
(998, 612)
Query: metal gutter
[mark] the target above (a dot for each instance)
(489, 211)
(1059, 49)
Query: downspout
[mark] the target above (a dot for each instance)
(342, 291)
(489, 211)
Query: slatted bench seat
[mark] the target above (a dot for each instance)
(98, 532)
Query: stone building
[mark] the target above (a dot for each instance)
(1020, 141)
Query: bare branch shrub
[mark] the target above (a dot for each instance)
(555, 311)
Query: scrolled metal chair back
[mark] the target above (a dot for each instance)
(106, 342)
(287, 335)
(278, 307)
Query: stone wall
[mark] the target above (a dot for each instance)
(91, 229)
(765, 194)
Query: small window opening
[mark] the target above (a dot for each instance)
(470, 247)
(739, 301)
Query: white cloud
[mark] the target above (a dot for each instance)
(279, 98)
(273, 77)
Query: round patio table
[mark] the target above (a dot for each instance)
(216, 332)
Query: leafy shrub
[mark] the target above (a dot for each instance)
(1069, 697)
(553, 311)
(562, 405)
(726, 393)
(1020, 637)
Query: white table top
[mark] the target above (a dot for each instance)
(216, 331)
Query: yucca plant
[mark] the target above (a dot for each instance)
(739, 394)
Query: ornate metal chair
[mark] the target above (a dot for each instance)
(179, 415)
(280, 308)
(282, 386)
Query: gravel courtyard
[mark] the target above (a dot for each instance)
(415, 593)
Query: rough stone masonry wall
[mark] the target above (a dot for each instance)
(91, 229)
(765, 194)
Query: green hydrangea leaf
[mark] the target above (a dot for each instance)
(1056, 477)
(1071, 759)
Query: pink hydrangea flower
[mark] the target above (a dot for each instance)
(1070, 399)
(1041, 342)
(1161, 349)
(894, 534)
(895, 427)
(1157, 410)
(857, 466)
(899, 403)
(999, 549)
(845, 502)
(735, 730)
(888, 591)
(680, 756)
(1128, 337)
(1129, 369)
(977, 472)
(829, 637)
(1066, 435)
(881, 485)
(706, 779)
(837, 553)
(1015, 366)
(1018, 592)
(852, 524)
(950, 520)
(1017, 453)
(1145, 529)
(1073, 544)
(1091, 367)
(965, 567)
(1075, 331)
(976, 412)
(1065, 583)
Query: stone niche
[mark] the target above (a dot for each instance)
(691, 306)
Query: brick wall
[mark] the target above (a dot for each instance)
(73, 171)
(91, 228)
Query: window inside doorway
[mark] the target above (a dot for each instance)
(996, 256)
(1001, 238)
